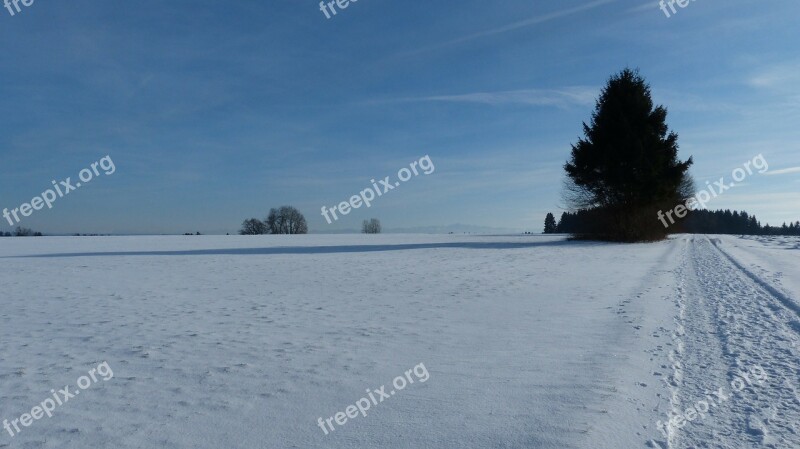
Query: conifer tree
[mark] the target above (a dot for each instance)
(550, 224)
(626, 168)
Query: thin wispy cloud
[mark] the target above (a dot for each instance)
(536, 20)
(576, 95)
(784, 77)
(682, 100)
(649, 6)
(784, 171)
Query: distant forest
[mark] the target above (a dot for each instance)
(697, 222)
(21, 232)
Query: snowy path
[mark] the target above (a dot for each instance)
(731, 322)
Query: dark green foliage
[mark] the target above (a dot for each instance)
(727, 222)
(626, 166)
(549, 224)
(583, 223)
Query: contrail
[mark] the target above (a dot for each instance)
(517, 25)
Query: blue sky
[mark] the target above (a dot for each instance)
(215, 111)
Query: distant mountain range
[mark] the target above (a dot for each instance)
(454, 228)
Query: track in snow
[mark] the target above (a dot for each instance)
(731, 322)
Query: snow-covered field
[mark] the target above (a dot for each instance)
(528, 341)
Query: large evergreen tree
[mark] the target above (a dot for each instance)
(626, 166)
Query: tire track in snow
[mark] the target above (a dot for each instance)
(732, 323)
(782, 297)
(693, 352)
(674, 380)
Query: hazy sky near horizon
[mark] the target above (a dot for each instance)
(213, 111)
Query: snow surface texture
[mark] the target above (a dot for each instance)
(530, 341)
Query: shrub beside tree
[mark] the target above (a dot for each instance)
(253, 226)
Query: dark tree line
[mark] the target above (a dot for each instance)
(283, 220)
(578, 223)
(697, 222)
(21, 232)
(733, 222)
